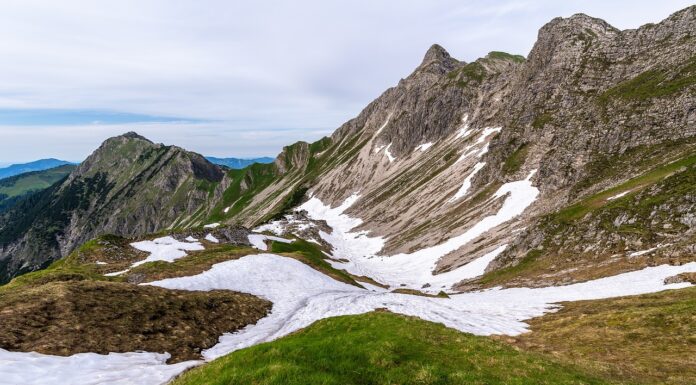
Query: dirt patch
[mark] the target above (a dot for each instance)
(64, 318)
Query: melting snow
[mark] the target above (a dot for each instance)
(302, 295)
(88, 369)
(384, 125)
(464, 131)
(388, 154)
(467, 182)
(413, 270)
(424, 146)
(165, 249)
(259, 240)
(617, 196)
(211, 238)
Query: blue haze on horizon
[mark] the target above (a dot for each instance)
(238, 79)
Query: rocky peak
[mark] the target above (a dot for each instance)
(134, 135)
(437, 61)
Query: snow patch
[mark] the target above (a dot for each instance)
(467, 182)
(226, 209)
(258, 241)
(383, 125)
(412, 270)
(617, 196)
(165, 249)
(191, 239)
(388, 154)
(211, 225)
(101, 263)
(211, 238)
(88, 368)
(423, 147)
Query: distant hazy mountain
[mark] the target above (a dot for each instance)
(38, 165)
(237, 163)
(15, 188)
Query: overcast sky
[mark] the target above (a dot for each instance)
(233, 78)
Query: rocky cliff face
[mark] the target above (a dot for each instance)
(128, 186)
(591, 110)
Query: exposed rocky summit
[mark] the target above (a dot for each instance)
(592, 109)
(129, 186)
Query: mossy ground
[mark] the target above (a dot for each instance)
(647, 339)
(384, 348)
(71, 307)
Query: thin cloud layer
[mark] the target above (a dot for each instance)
(246, 77)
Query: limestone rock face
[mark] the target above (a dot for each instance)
(589, 109)
(129, 186)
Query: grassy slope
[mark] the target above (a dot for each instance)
(383, 348)
(648, 339)
(14, 188)
(673, 179)
(71, 307)
(311, 255)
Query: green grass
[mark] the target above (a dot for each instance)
(580, 209)
(647, 339)
(310, 254)
(381, 348)
(18, 186)
(506, 56)
(653, 83)
(515, 161)
(541, 120)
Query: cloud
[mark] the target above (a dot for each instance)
(296, 68)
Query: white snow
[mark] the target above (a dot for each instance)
(617, 196)
(226, 209)
(465, 155)
(415, 269)
(383, 125)
(464, 131)
(488, 131)
(389, 154)
(165, 249)
(88, 369)
(483, 151)
(211, 225)
(467, 182)
(101, 263)
(642, 252)
(211, 238)
(423, 147)
(191, 239)
(302, 295)
(258, 241)
(379, 148)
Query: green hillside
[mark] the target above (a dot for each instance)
(13, 188)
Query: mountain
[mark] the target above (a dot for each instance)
(565, 180)
(237, 163)
(15, 188)
(38, 165)
(129, 185)
(588, 111)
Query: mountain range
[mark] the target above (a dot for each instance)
(37, 165)
(569, 174)
(237, 163)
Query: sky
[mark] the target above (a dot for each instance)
(233, 78)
